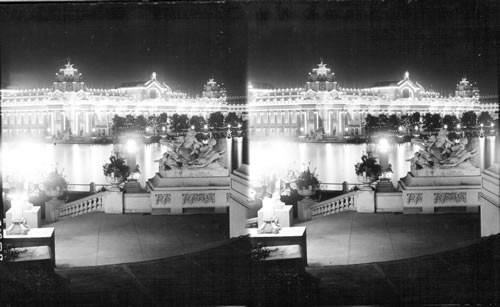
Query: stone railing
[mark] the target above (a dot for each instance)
(92, 203)
(334, 205)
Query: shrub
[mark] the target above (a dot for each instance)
(369, 165)
(306, 179)
(117, 167)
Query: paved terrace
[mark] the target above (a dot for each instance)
(345, 238)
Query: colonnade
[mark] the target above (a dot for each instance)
(330, 121)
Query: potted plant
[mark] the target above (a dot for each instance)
(307, 182)
(54, 184)
(116, 171)
(369, 169)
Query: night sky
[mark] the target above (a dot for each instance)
(271, 43)
(364, 43)
(124, 42)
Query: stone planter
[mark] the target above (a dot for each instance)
(115, 183)
(366, 181)
(307, 193)
(54, 192)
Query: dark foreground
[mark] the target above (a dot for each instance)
(231, 274)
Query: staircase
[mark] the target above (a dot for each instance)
(334, 205)
(88, 204)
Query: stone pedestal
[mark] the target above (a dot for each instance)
(426, 194)
(286, 236)
(303, 209)
(365, 201)
(242, 202)
(384, 185)
(182, 195)
(32, 216)
(112, 201)
(284, 216)
(490, 201)
(132, 187)
(51, 212)
(388, 201)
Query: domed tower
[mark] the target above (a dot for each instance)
(466, 90)
(213, 90)
(321, 79)
(68, 79)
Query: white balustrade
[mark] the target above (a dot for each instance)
(334, 205)
(92, 203)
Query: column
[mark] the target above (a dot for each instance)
(361, 118)
(306, 124)
(316, 120)
(76, 131)
(245, 154)
(237, 154)
(107, 123)
(87, 123)
(328, 123)
(340, 123)
(490, 195)
(52, 124)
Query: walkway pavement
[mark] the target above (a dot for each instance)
(99, 238)
(345, 238)
(352, 238)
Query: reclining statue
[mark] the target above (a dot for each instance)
(189, 153)
(438, 152)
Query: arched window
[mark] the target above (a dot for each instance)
(406, 93)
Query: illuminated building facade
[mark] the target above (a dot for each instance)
(322, 106)
(69, 106)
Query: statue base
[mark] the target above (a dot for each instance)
(18, 227)
(212, 170)
(269, 225)
(189, 195)
(430, 194)
(464, 169)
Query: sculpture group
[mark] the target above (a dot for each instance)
(189, 153)
(439, 152)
